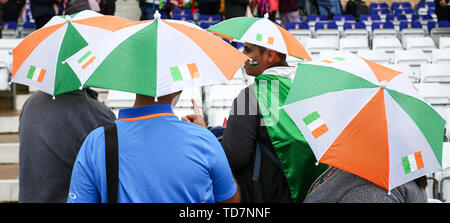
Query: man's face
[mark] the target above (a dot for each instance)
(254, 53)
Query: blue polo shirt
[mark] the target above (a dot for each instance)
(161, 159)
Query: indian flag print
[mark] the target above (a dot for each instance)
(412, 162)
(86, 59)
(315, 124)
(36, 74)
(184, 72)
(264, 39)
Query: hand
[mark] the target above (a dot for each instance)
(196, 118)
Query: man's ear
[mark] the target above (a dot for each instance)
(271, 56)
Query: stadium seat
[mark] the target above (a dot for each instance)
(341, 19)
(10, 30)
(425, 44)
(413, 58)
(410, 29)
(406, 69)
(438, 30)
(312, 19)
(217, 116)
(210, 18)
(368, 19)
(26, 29)
(326, 29)
(423, 19)
(440, 56)
(206, 24)
(389, 44)
(187, 94)
(4, 70)
(431, 73)
(239, 78)
(182, 12)
(377, 56)
(379, 5)
(401, 5)
(396, 19)
(221, 95)
(435, 94)
(444, 43)
(353, 44)
(408, 12)
(422, 7)
(186, 17)
(316, 45)
(383, 29)
(299, 29)
(355, 29)
(9, 44)
(381, 12)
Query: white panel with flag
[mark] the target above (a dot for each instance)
(269, 38)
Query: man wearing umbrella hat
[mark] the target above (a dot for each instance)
(256, 129)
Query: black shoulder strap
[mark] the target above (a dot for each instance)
(112, 162)
(257, 162)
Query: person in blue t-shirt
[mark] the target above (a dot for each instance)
(161, 159)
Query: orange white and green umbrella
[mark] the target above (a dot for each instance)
(366, 119)
(156, 58)
(37, 59)
(261, 32)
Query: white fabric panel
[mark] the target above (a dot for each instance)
(266, 28)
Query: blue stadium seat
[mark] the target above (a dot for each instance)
(425, 5)
(382, 25)
(317, 18)
(409, 25)
(401, 5)
(207, 24)
(364, 18)
(297, 25)
(405, 11)
(10, 25)
(182, 12)
(380, 11)
(440, 24)
(396, 18)
(210, 18)
(354, 25)
(421, 17)
(344, 18)
(325, 25)
(188, 17)
(381, 5)
(29, 25)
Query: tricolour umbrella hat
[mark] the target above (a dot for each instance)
(156, 58)
(366, 119)
(261, 32)
(37, 59)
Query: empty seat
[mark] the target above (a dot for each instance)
(217, 116)
(383, 29)
(379, 5)
(326, 29)
(435, 73)
(438, 30)
(187, 94)
(414, 58)
(221, 95)
(315, 46)
(389, 45)
(10, 29)
(186, 17)
(406, 69)
(206, 24)
(210, 18)
(396, 19)
(182, 12)
(444, 43)
(4, 70)
(424, 44)
(9, 44)
(423, 19)
(368, 19)
(401, 5)
(381, 12)
(341, 19)
(434, 93)
(353, 44)
(312, 19)
(408, 12)
(422, 7)
(377, 56)
(440, 56)
(410, 29)
(299, 29)
(355, 29)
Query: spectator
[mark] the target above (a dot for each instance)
(329, 8)
(442, 10)
(235, 8)
(51, 133)
(267, 6)
(43, 10)
(148, 8)
(288, 12)
(152, 166)
(209, 7)
(12, 9)
(338, 186)
(108, 7)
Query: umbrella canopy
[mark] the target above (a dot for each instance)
(366, 119)
(37, 59)
(261, 32)
(156, 58)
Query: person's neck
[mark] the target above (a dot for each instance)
(144, 101)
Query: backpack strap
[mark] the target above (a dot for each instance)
(112, 161)
(257, 162)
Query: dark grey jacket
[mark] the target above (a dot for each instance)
(235, 8)
(51, 133)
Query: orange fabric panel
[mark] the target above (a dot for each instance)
(362, 147)
(210, 45)
(24, 49)
(419, 160)
(294, 47)
(381, 72)
(320, 131)
(41, 76)
(111, 23)
(193, 70)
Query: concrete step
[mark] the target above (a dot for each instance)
(9, 153)
(9, 190)
(9, 121)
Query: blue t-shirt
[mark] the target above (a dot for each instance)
(161, 160)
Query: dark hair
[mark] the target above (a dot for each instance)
(422, 182)
(262, 49)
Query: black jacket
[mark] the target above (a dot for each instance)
(42, 8)
(235, 8)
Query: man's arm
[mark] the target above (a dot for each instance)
(236, 197)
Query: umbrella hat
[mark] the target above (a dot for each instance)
(156, 58)
(261, 32)
(37, 59)
(366, 119)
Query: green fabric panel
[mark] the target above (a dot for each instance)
(31, 72)
(406, 166)
(311, 118)
(429, 122)
(131, 66)
(235, 27)
(313, 80)
(290, 145)
(66, 80)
